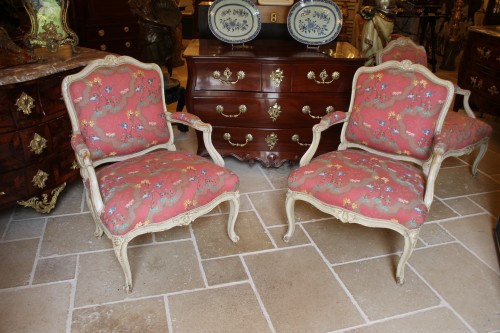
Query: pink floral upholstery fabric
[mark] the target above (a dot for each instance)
(158, 186)
(396, 111)
(460, 130)
(120, 109)
(361, 182)
(416, 55)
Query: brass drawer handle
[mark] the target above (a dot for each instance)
(307, 110)
(277, 77)
(248, 138)
(476, 82)
(493, 90)
(323, 76)
(101, 32)
(483, 52)
(274, 111)
(127, 44)
(126, 29)
(38, 144)
(25, 103)
(271, 140)
(103, 47)
(227, 73)
(40, 178)
(242, 109)
(296, 138)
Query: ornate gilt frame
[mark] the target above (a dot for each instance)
(49, 25)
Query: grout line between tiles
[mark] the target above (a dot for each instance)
(198, 256)
(337, 277)
(257, 295)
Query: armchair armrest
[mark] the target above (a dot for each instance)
(196, 123)
(466, 95)
(326, 122)
(87, 169)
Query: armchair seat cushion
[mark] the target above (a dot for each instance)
(158, 186)
(361, 182)
(461, 131)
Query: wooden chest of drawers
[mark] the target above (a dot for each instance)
(107, 26)
(479, 69)
(36, 158)
(263, 100)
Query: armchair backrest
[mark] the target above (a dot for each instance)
(402, 48)
(118, 106)
(396, 108)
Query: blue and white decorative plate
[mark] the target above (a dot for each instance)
(314, 22)
(234, 21)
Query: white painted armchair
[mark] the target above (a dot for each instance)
(383, 173)
(463, 132)
(135, 180)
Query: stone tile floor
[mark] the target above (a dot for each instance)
(56, 277)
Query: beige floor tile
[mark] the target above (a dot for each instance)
(452, 162)
(212, 239)
(489, 201)
(279, 176)
(5, 216)
(490, 164)
(468, 285)
(141, 316)
(224, 270)
(39, 309)
(16, 262)
(439, 211)
(464, 206)
(342, 243)
(373, 285)
(432, 234)
(454, 182)
(55, 269)
(476, 233)
(298, 238)
(75, 233)
(176, 233)
(440, 320)
(251, 177)
(156, 269)
(245, 205)
(220, 310)
(271, 208)
(299, 292)
(25, 229)
(71, 234)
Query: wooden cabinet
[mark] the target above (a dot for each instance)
(263, 100)
(479, 69)
(107, 26)
(36, 158)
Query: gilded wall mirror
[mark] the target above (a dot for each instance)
(49, 26)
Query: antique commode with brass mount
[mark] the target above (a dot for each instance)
(263, 100)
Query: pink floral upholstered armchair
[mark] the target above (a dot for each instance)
(135, 180)
(463, 132)
(390, 152)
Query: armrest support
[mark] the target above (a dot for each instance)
(432, 168)
(87, 169)
(466, 95)
(326, 122)
(195, 122)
